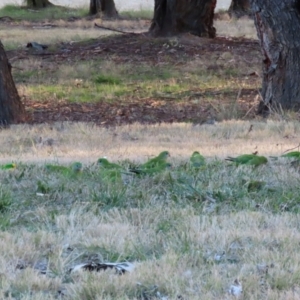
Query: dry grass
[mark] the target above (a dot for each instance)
(249, 240)
(189, 234)
(137, 142)
(18, 37)
(243, 27)
(181, 243)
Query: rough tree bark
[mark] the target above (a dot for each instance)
(38, 3)
(11, 107)
(177, 16)
(104, 7)
(278, 28)
(240, 8)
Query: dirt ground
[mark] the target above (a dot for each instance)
(140, 48)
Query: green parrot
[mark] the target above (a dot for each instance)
(242, 159)
(156, 161)
(293, 154)
(151, 171)
(257, 161)
(197, 160)
(76, 167)
(8, 166)
(105, 164)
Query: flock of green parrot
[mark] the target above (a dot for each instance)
(155, 165)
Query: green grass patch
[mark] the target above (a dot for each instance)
(49, 13)
(85, 93)
(107, 79)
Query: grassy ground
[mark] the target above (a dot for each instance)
(190, 233)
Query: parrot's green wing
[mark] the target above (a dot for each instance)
(257, 161)
(293, 154)
(8, 166)
(197, 160)
(242, 159)
(105, 164)
(156, 161)
(151, 171)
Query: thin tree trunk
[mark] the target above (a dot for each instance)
(240, 8)
(95, 7)
(104, 7)
(176, 16)
(278, 29)
(11, 107)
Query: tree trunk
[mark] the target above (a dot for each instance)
(104, 7)
(177, 16)
(11, 107)
(38, 3)
(240, 8)
(278, 28)
(95, 7)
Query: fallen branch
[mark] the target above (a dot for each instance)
(292, 149)
(116, 30)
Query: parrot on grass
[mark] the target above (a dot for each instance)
(241, 159)
(292, 154)
(151, 171)
(157, 161)
(197, 160)
(105, 164)
(257, 161)
(8, 166)
(248, 159)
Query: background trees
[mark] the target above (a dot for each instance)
(105, 7)
(239, 8)
(175, 16)
(11, 107)
(38, 3)
(278, 29)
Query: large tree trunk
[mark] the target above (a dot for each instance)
(38, 3)
(240, 8)
(104, 7)
(176, 16)
(278, 28)
(11, 107)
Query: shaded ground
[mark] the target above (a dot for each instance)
(187, 106)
